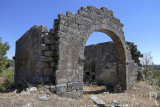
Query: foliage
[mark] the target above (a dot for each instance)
(4, 47)
(8, 78)
(154, 78)
(151, 74)
(11, 63)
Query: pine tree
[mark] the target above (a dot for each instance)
(4, 47)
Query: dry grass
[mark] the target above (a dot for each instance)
(93, 88)
(137, 96)
(16, 100)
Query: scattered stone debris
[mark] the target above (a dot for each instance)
(45, 98)
(28, 91)
(117, 103)
(96, 100)
(50, 88)
(32, 89)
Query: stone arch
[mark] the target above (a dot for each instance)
(72, 32)
(120, 47)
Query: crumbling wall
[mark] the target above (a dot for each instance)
(34, 57)
(136, 54)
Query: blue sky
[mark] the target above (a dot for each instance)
(141, 19)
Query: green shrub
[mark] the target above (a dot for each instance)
(8, 76)
(153, 77)
(4, 47)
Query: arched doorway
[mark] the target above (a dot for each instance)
(100, 64)
(120, 62)
(73, 30)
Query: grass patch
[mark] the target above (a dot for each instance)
(6, 78)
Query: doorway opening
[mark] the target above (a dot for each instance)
(100, 65)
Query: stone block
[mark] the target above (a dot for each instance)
(116, 103)
(62, 80)
(84, 13)
(53, 47)
(52, 64)
(48, 71)
(49, 53)
(51, 31)
(72, 86)
(70, 14)
(46, 58)
(62, 16)
(99, 102)
(44, 29)
(64, 22)
(44, 47)
(61, 88)
(72, 75)
(43, 64)
(81, 27)
(49, 40)
(105, 10)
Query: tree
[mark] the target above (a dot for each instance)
(151, 73)
(4, 47)
(11, 63)
(147, 59)
(148, 64)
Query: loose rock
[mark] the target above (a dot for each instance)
(96, 100)
(45, 98)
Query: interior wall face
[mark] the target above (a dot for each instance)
(100, 66)
(101, 63)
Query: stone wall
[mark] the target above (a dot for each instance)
(73, 32)
(35, 57)
(136, 54)
(101, 64)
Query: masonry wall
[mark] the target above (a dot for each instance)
(136, 54)
(134, 63)
(27, 56)
(34, 57)
(101, 64)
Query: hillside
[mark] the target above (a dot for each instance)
(157, 67)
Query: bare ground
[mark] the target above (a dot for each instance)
(137, 96)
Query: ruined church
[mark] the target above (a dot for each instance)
(59, 56)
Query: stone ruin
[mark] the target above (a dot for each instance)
(57, 56)
(100, 65)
